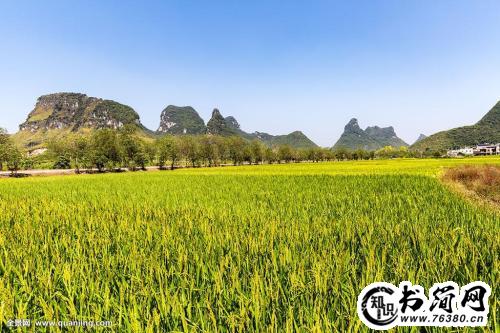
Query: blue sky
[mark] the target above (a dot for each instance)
(277, 66)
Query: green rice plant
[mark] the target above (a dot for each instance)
(247, 249)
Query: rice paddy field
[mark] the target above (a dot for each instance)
(245, 249)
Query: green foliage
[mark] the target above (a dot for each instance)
(4, 140)
(270, 155)
(10, 154)
(62, 162)
(492, 118)
(132, 151)
(39, 114)
(14, 157)
(392, 152)
(169, 148)
(257, 151)
(181, 120)
(213, 149)
(190, 148)
(63, 113)
(236, 149)
(104, 149)
(285, 153)
(120, 112)
(295, 139)
(229, 126)
(217, 125)
(373, 138)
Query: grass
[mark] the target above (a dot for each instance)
(250, 249)
(40, 114)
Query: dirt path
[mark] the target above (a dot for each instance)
(54, 172)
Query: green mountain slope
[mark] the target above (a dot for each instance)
(178, 120)
(486, 130)
(420, 138)
(372, 138)
(229, 126)
(56, 114)
(295, 139)
(218, 125)
(385, 136)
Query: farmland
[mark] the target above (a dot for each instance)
(249, 248)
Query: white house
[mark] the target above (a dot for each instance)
(487, 149)
(466, 151)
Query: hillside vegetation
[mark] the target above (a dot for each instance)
(372, 138)
(487, 130)
(57, 115)
(177, 120)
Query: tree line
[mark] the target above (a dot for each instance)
(11, 156)
(108, 149)
(113, 150)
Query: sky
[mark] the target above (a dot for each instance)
(276, 66)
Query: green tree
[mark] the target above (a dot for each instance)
(342, 154)
(168, 150)
(104, 149)
(257, 151)
(270, 155)
(190, 148)
(140, 157)
(4, 141)
(79, 146)
(403, 151)
(386, 152)
(14, 158)
(285, 153)
(222, 149)
(208, 149)
(150, 148)
(67, 150)
(132, 151)
(236, 147)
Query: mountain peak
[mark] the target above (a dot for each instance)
(181, 120)
(232, 122)
(69, 111)
(421, 137)
(353, 126)
(353, 122)
(492, 118)
(75, 110)
(386, 132)
(373, 138)
(217, 125)
(216, 114)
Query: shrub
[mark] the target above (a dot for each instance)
(62, 162)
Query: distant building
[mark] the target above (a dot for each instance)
(467, 151)
(482, 149)
(487, 149)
